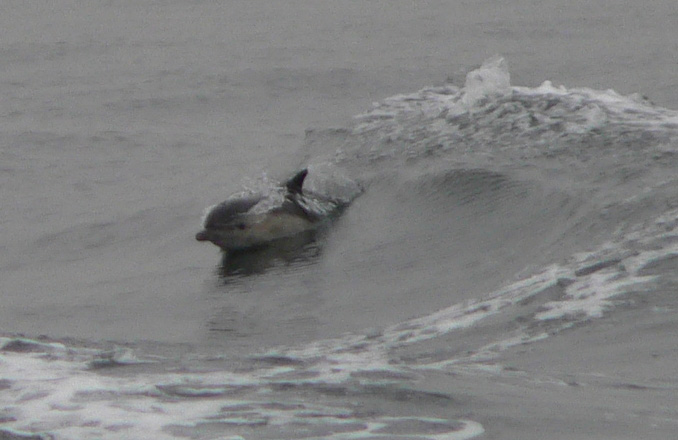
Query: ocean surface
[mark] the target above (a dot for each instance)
(507, 267)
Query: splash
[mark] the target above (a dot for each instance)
(491, 80)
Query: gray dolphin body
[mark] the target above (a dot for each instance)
(234, 226)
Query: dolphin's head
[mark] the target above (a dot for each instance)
(227, 224)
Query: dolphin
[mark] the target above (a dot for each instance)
(235, 225)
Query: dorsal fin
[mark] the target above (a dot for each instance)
(295, 183)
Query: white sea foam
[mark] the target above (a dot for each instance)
(580, 109)
(60, 398)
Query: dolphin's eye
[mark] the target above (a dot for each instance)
(241, 226)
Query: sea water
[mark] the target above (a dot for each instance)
(506, 270)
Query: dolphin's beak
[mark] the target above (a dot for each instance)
(202, 236)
